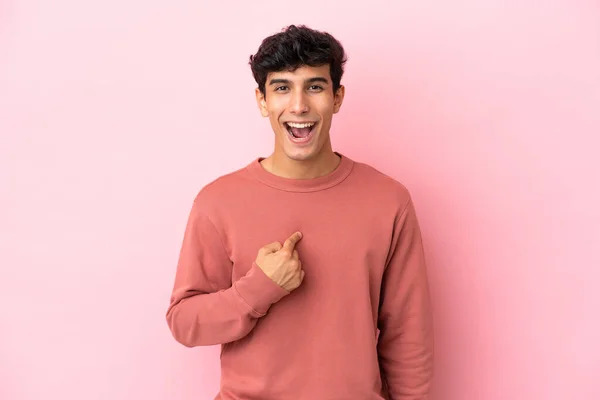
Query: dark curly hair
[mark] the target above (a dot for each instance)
(294, 47)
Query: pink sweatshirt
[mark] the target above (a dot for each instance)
(359, 326)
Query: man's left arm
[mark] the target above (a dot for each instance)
(405, 345)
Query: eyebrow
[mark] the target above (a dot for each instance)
(287, 81)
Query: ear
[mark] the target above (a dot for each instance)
(261, 102)
(338, 99)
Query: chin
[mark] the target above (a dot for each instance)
(302, 155)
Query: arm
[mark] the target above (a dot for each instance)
(205, 307)
(405, 345)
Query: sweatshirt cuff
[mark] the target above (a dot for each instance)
(259, 291)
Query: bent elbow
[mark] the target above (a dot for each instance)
(182, 334)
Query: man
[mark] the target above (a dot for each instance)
(340, 309)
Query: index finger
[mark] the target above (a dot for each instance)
(290, 243)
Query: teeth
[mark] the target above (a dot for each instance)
(296, 125)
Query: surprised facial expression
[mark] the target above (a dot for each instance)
(300, 106)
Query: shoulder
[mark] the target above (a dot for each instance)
(217, 191)
(380, 185)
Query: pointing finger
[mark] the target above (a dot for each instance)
(290, 243)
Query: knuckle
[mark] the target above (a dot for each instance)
(285, 253)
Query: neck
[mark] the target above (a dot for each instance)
(283, 166)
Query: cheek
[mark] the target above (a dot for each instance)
(274, 120)
(326, 108)
(274, 112)
(327, 114)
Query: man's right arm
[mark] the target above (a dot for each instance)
(205, 307)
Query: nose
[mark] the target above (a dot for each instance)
(298, 103)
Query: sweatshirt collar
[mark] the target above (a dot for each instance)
(302, 185)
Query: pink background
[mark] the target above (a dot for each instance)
(113, 114)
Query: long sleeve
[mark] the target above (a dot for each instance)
(205, 307)
(405, 346)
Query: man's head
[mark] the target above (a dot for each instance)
(299, 72)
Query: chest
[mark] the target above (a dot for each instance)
(343, 243)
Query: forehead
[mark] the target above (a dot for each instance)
(302, 73)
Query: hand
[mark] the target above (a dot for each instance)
(281, 263)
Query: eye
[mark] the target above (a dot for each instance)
(280, 88)
(315, 88)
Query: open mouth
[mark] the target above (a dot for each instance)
(300, 132)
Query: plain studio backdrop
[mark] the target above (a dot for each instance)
(114, 114)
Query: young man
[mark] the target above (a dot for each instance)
(306, 266)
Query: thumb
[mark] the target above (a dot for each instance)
(290, 243)
(272, 247)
